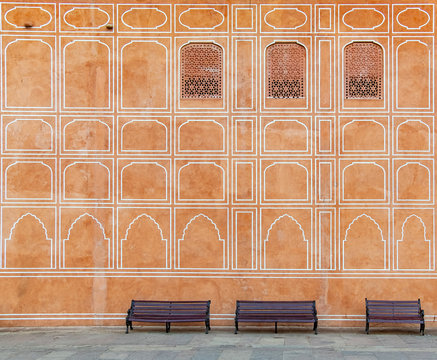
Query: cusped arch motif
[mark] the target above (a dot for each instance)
(201, 71)
(201, 245)
(286, 71)
(285, 246)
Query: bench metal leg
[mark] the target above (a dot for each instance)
(276, 327)
(315, 327)
(236, 327)
(128, 324)
(367, 327)
(422, 329)
(207, 327)
(167, 327)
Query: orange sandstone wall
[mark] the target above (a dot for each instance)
(223, 151)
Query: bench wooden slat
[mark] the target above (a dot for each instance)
(155, 311)
(276, 311)
(393, 311)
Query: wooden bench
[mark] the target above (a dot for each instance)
(276, 311)
(168, 312)
(389, 311)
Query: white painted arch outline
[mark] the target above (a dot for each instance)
(28, 7)
(29, 150)
(413, 28)
(201, 28)
(87, 162)
(147, 163)
(415, 121)
(225, 267)
(364, 215)
(363, 121)
(203, 163)
(101, 227)
(200, 121)
(126, 235)
(144, 121)
(86, 120)
(86, 27)
(430, 257)
(28, 162)
(289, 27)
(272, 225)
(430, 187)
(285, 121)
(365, 28)
(52, 83)
(10, 237)
(144, 8)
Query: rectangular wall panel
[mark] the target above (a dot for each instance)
(325, 70)
(244, 248)
(244, 74)
(325, 249)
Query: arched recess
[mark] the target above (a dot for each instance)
(413, 135)
(201, 245)
(285, 136)
(86, 245)
(28, 74)
(29, 135)
(286, 71)
(201, 135)
(29, 180)
(413, 181)
(87, 135)
(87, 74)
(201, 181)
(144, 75)
(363, 70)
(144, 135)
(364, 135)
(201, 71)
(364, 246)
(364, 181)
(28, 244)
(284, 181)
(413, 250)
(143, 245)
(285, 246)
(87, 181)
(144, 181)
(413, 75)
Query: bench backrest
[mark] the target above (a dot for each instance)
(392, 307)
(146, 307)
(289, 307)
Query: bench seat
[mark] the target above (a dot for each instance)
(168, 312)
(277, 312)
(392, 311)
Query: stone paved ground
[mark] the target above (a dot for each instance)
(184, 343)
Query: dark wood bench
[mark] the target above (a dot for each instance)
(168, 312)
(390, 311)
(276, 311)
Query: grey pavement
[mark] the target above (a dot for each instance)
(184, 343)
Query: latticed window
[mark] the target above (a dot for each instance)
(286, 68)
(201, 71)
(364, 70)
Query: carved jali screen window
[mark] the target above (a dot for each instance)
(364, 71)
(201, 71)
(286, 64)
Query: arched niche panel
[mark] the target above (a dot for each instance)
(364, 136)
(87, 135)
(87, 75)
(414, 249)
(29, 74)
(413, 180)
(28, 245)
(286, 136)
(141, 135)
(364, 246)
(413, 75)
(29, 180)
(286, 181)
(201, 245)
(201, 136)
(28, 135)
(86, 181)
(144, 72)
(364, 181)
(144, 181)
(286, 247)
(143, 245)
(413, 136)
(86, 244)
(201, 181)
